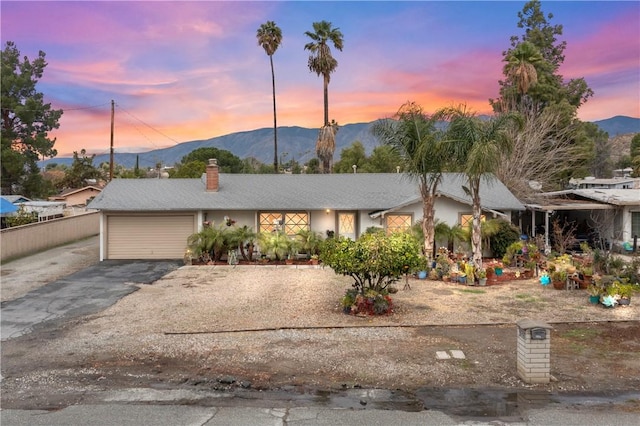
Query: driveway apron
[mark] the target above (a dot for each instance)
(84, 292)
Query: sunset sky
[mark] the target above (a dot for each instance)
(182, 71)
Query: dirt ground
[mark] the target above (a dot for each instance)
(265, 328)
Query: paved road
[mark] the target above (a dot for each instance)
(171, 415)
(84, 292)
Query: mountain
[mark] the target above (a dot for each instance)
(293, 143)
(619, 125)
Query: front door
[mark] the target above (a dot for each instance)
(347, 225)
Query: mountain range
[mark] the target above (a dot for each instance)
(293, 143)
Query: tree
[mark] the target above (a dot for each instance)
(521, 66)
(537, 147)
(227, 161)
(594, 144)
(374, 261)
(413, 136)
(475, 146)
(26, 123)
(635, 154)
(384, 159)
(81, 170)
(549, 107)
(269, 37)
(191, 170)
(350, 156)
(323, 64)
(539, 48)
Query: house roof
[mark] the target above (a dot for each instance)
(361, 191)
(67, 192)
(16, 198)
(588, 199)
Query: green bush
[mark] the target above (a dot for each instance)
(504, 236)
(374, 261)
(212, 242)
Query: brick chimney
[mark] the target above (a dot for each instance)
(212, 175)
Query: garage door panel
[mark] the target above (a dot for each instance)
(148, 237)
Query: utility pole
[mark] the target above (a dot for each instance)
(111, 152)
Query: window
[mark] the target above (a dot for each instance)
(397, 222)
(467, 220)
(290, 222)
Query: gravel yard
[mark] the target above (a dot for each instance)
(269, 327)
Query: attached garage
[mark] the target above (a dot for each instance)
(148, 236)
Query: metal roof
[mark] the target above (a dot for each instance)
(355, 191)
(607, 196)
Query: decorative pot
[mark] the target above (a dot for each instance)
(482, 281)
(594, 299)
(558, 285)
(422, 275)
(462, 280)
(624, 301)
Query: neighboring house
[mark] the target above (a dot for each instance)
(610, 207)
(152, 218)
(615, 183)
(77, 197)
(46, 210)
(16, 199)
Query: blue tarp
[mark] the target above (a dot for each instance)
(6, 206)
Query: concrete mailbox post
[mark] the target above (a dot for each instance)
(534, 351)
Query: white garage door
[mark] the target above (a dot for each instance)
(148, 237)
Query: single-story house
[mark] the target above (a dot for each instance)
(46, 210)
(78, 196)
(612, 212)
(152, 218)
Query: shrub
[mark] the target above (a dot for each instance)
(212, 242)
(371, 303)
(374, 262)
(505, 235)
(277, 244)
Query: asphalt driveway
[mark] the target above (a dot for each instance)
(81, 293)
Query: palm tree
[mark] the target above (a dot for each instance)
(323, 63)
(269, 37)
(475, 147)
(521, 66)
(413, 136)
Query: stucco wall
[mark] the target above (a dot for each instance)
(35, 237)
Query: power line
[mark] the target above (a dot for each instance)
(148, 125)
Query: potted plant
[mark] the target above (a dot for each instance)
(559, 279)
(314, 259)
(529, 269)
(621, 292)
(481, 275)
(469, 271)
(595, 291)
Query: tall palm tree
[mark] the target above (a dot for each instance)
(414, 137)
(269, 37)
(521, 67)
(475, 147)
(323, 64)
